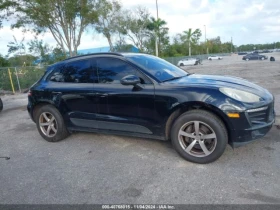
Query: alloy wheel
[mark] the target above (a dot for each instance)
(48, 124)
(197, 139)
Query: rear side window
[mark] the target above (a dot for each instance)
(80, 71)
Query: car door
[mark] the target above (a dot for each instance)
(123, 108)
(186, 62)
(254, 57)
(71, 88)
(189, 62)
(260, 57)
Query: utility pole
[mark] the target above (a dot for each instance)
(205, 32)
(231, 46)
(205, 39)
(156, 34)
(157, 9)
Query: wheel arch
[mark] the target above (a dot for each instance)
(185, 107)
(39, 105)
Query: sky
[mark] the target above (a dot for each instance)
(245, 21)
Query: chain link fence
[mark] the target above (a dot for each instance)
(175, 60)
(19, 79)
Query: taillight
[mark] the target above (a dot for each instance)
(29, 93)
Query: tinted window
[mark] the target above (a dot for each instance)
(75, 72)
(112, 70)
(157, 67)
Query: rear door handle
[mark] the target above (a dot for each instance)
(54, 92)
(102, 94)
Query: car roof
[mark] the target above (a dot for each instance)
(75, 58)
(93, 54)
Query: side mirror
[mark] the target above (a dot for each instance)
(130, 80)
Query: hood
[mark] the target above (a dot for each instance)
(214, 81)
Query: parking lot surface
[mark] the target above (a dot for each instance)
(89, 168)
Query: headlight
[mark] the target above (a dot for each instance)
(240, 95)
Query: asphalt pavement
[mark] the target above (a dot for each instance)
(90, 168)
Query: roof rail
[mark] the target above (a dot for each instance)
(101, 53)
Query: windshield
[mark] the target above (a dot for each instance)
(157, 67)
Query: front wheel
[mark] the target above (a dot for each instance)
(247, 59)
(181, 64)
(262, 58)
(50, 124)
(199, 136)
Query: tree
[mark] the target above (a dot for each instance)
(21, 60)
(41, 49)
(108, 16)
(121, 30)
(3, 61)
(158, 31)
(134, 26)
(66, 20)
(58, 55)
(214, 45)
(47, 54)
(16, 47)
(191, 37)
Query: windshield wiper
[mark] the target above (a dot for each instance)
(173, 78)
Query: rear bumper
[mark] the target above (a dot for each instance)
(30, 111)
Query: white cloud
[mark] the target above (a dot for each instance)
(250, 21)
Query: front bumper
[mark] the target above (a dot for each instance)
(252, 125)
(246, 136)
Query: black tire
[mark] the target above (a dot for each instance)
(61, 130)
(181, 64)
(210, 59)
(206, 119)
(1, 105)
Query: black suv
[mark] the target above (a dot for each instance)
(144, 96)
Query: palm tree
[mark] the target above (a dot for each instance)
(156, 25)
(191, 37)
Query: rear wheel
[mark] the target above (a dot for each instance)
(199, 136)
(1, 105)
(262, 58)
(247, 59)
(50, 124)
(181, 64)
